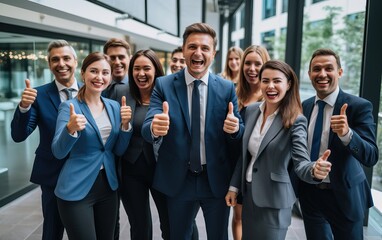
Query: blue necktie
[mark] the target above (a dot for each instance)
(68, 92)
(195, 164)
(316, 141)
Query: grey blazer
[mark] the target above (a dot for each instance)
(271, 184)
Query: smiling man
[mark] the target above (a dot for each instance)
(39, 108)
(336, 207)
(120, 53)
(193, 120)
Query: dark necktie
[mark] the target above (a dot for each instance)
(68, 92)
(195, 164)
(316, 141)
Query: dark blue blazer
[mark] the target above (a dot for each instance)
(174, 150)
(347, 176)
(43, 114)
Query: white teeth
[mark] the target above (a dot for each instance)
(62, 70)
(98, 83)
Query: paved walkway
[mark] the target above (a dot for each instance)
(22, 220)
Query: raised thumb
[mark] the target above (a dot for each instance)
(123, 101)
(343, 109)
(27, 83)
(72, 112)
(230, 108)
(326, 155)
(165, 107)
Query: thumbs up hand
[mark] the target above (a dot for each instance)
(339, 123)
(161, 122)
(322, 167)
(125, 113)
(28, 96)
(231, 123)
(77, 122)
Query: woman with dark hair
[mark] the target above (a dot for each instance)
(275, 136)
(248, 92)
(90, 130)
(138, 162)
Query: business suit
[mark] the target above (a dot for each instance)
(73, 184)
(349, 195)
(46, 168)
(271, 191)
(86, 187)
(137, 172)
(172, 175)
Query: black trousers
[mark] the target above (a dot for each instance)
(93, 217)
(135, 189)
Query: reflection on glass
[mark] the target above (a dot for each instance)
(377, 170)
(22, 57)
(332, 24)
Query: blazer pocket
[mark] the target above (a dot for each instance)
(280, 177)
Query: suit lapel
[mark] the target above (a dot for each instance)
(273, 130)
(213, 89)
(53, 94)
(308, 108)
(181, 93)
(89, 117)
(336, 111)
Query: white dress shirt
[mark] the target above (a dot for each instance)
(257, 137)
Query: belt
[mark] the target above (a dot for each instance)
(196, 173)
(323, 186)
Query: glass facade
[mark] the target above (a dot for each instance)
(24, 57)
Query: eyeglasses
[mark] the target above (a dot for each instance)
(181, 60)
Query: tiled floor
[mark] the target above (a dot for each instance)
(22, 220)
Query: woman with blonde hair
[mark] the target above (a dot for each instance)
(248, 91)
(232, 64)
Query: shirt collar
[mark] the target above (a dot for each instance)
(331, 98)
(125, 80)
(189, 78)
(60, 86)
(262, 108)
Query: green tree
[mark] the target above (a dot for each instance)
(351, 56)
(318, 34)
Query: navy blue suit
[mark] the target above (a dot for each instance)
(349, 195)
(172, 175)
(46, 168)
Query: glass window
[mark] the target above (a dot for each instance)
(316, 1)
(24, 56)
(187, 7)
(132, 7)
(157, 9)
(269, 8)
(267, 40)
(377, 170)
(284, 7)
(340, 29)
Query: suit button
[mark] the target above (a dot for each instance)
(355, 149)
(255, 170)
